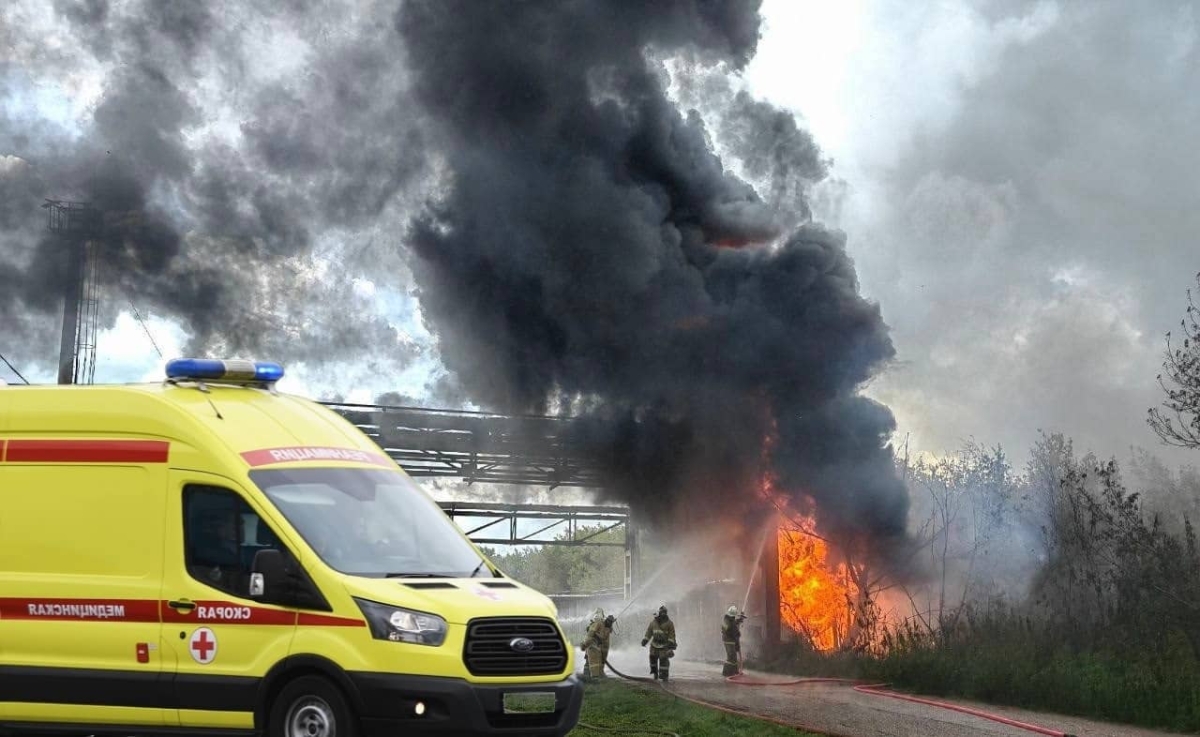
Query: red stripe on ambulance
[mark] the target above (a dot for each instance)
(227, 612)
(148, 610)
(303, 453)
(76, 610)
(230, 612)
(325, 620)
(87, 451)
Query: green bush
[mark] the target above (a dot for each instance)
(1157, 687)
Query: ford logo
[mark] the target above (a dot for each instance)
(521, 644)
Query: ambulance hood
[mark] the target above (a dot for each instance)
(455, 599)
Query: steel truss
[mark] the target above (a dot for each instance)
(477, 446)
(553, 519)
(493, 448)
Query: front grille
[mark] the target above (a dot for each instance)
(486, 651)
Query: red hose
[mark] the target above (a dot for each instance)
(740, 679)
(727, 710)
(761, 717)
(873, 689)
(869, 689)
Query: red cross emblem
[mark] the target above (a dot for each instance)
(203, 645)
(487, 593)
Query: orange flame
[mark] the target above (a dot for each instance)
(734, 242)
(815, 597)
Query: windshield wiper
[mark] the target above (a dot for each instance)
(477, 569)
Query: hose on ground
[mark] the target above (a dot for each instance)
(873, 689)
(725, 709)
(741, 680)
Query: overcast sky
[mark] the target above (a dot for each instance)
(1021, 188)
(1018, 183)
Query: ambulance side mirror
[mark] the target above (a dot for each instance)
(283, 581)
(269, 570)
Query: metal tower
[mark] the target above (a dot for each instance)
(76, 224)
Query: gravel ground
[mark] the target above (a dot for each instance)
(840, 710)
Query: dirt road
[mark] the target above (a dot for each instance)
(838, 709)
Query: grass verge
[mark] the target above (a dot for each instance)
(624, 705)
(1159, 690)
(1029, 669)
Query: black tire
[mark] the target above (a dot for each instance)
(311, 706)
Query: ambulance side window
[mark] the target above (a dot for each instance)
(221, 535)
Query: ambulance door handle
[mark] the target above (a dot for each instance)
(182, 604)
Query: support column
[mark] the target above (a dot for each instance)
(769, 573)
(631, 557)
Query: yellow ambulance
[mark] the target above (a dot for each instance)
(208, 555)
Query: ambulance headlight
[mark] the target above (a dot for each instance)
(396, 624)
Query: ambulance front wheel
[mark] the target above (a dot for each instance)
(311, 706)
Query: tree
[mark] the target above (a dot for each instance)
(565, 569)
(1114, 571)
(1178, 421)
(1174, 495)
(969, 502)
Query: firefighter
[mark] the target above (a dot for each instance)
(609, 621)
(731, 635)
(595, 643)
(660, 634)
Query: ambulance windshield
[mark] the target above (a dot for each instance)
(368, 522)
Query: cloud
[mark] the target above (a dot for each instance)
(1035, 240)
(249, 168)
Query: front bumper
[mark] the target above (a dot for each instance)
(454, 706)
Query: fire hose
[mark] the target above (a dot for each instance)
(725, 709)
(873, 689)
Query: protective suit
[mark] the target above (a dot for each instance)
(731, 636)
(609, 621)
(595, 643)
(660, 634)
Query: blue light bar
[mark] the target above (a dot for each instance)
(213, 369)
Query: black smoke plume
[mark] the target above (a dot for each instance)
(222, 231)
(582, 246)
(592, 252)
